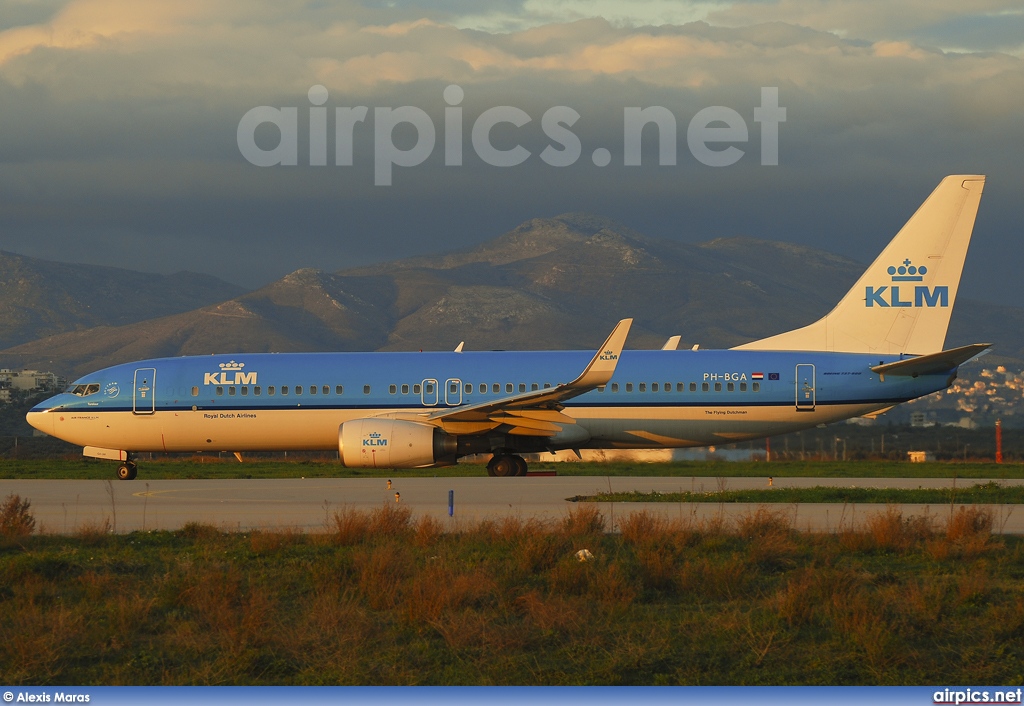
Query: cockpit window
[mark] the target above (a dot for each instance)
(84, 390)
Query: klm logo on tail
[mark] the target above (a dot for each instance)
(923, 296)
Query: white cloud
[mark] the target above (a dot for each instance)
(121, 102)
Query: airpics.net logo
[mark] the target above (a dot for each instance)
(712, 134)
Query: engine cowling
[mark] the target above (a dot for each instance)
(392, 443)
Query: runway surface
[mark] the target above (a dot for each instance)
(69, 505)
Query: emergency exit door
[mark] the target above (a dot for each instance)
(144, 395)
(805, 396)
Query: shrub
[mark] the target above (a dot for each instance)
(15, 518)
(583, 520)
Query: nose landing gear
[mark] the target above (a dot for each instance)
(127, 470)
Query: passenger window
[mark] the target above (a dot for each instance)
(535, 386)
(730, 387)
(629, 387)
(654, 387)
(508, 387)
(547, 385)
(718, 387)
(220, 391)
(453, 388)
(298, 389)
(600, 388)
(366, 389)
(339, 389)
(680, 387)
(231, 390)
(522, 387)
(643, 387)
(312, 389)
(326, 389)
(284, 389)
(743, 387)
(495, 388)
(245, 391)
(271, 390)
(195, 392)
(693, 387)
(257, 390)
(668, 387)
(705, 387)
(757, 387)
(416, 389)
(483, 388)
(469, 388)
(430, 388)
(405, 389)
(615, 387)
(392, 389)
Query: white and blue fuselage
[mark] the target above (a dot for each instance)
(655, 399)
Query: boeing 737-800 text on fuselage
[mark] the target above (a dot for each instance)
(881, 345)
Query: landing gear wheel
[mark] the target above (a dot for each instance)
(521, 466)
(127, 471)
(502, 466)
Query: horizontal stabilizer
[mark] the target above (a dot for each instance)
(933, 363)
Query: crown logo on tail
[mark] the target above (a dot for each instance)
(907, 272)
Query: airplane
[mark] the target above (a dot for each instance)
(881, 345)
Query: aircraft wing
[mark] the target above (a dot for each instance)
(536, 413)
(933, 362)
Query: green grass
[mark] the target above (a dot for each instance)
(380, 599)
(990, 493)
(165, 468)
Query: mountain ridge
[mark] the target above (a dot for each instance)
(549, 283)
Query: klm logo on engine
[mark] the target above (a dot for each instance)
(891, 296)
(375, 439)
(608, 355)
(230, 374)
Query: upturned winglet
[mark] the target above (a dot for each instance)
(602, 366)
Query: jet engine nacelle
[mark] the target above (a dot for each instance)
(392, 443)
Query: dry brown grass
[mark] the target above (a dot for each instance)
(643, 527)
(353, 526)
(270, 541)
(383, 599)
(381, 571)
(891, 531)
(94, 533)
(442, 587)
(583, 520)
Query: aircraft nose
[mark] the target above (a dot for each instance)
(41, 420)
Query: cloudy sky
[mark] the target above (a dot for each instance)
(120, 124)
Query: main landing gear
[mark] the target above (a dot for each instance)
(127, 470)
(504, 465)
